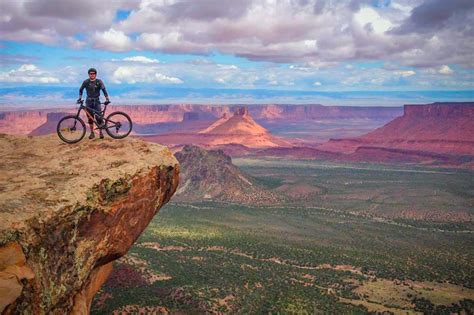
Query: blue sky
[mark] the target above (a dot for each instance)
(250, 51)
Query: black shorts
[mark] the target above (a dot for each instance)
(93, 103)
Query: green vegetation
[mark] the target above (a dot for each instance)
(425, 197)
(320, 252)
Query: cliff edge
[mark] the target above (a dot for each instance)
(442, 128)
(68, 211)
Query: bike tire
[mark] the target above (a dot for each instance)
(61, 131)
(125, 123)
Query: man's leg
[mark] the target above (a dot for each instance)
(99, 117)
(92, 135)
(90, 121)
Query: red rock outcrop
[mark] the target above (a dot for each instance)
(68, 211)
(446, 128)
(240, 128)
(21, 122)
(145, 116)
(210, 174)
(316, 112)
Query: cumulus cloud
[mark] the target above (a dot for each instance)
(405, 73)
(141, 59)
(137, 74)
(433, 15)
(206, 10)
(28, 73)
(112, 40)
(49, 21)
(11, 59)
(370, 19)
(307, 31)
(418, 33)
(444, 69)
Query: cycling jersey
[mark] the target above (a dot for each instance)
(93, 88)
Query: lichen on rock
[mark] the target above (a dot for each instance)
(71, 210)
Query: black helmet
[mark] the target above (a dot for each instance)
(92, 70)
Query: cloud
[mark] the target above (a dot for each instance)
(75, 43)
(112, 40)
(206, 10)
(433, 15)
(368, 17)
(443, 30)
(49, 21)
(145, 74)
(141, 59)
(404, 73)
(311, 33)
(11, 59)
(27, 73)
(446, 70)
(314, 31)
(317, 83)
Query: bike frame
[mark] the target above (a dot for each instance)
(96, 112)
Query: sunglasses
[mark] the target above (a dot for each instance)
(92, 73)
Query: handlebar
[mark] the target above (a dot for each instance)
(104, 103)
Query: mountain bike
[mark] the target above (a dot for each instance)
(72, 129)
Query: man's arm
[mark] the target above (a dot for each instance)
(104, 90)
(81, 89)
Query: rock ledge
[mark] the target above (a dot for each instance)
(68, 211)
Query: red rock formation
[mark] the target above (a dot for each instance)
(49, 126)
(210, 174)
(21, 122)
(147, 114)
(240, 128)
(74, 213)
(24, 122)
(316, 112)
(440, 127)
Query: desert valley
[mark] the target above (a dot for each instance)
(255, 157)
(437, 134)
(279, 208)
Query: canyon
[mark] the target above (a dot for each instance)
(152, 119)
(431, 134)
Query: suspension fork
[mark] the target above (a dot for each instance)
(77, 115)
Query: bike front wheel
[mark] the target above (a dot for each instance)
(71, 129)
(118, 125)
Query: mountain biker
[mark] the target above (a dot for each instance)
(93, 87)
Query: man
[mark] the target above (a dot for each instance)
(93, 87)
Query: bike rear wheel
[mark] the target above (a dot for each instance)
(71, 129)
(118, 125)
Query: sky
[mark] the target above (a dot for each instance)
(354, 52)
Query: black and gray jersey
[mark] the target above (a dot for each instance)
(93, 88)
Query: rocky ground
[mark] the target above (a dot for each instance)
(68, 211)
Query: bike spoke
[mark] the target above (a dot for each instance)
(70, 129)
(118, 125)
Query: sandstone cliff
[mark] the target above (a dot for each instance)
(68, 211)
(443, 128)
(241, 128)
(149, 118)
